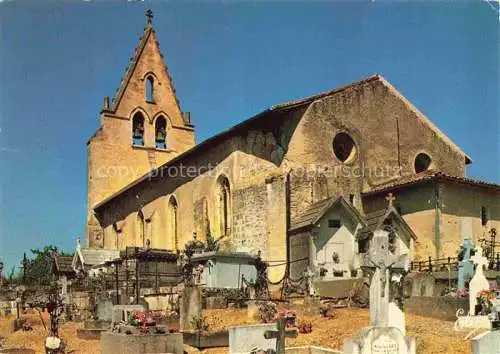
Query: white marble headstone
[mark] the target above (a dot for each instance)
(479, 281)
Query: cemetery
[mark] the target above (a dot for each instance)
(149, 300)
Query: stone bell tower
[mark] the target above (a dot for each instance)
(141, 128)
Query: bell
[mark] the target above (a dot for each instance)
(160, 136)
(137, 133)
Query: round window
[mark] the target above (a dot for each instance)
(344, 147)
(422, 162)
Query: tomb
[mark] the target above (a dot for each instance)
(221, 269)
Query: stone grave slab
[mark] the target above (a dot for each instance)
(122, 312)
(380, 340)
(105, 310)
(120, 343)
(486, 343)
(242, 339)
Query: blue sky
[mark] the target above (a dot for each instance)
(228, 61)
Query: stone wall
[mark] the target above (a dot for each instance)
(442, 307)
(434, 212)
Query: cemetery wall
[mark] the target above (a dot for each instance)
(442, 307)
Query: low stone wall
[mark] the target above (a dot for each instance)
(441, 307)
(119, 343)
(206, 339)
(336, 288)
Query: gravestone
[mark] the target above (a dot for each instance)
(479, 281)
(190, 306)
(244, 339)
(465, 267)
(105, 310)
(486, 343)
(386, 333)
(121, 313)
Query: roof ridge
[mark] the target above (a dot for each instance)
(307, 99)
(423, 118)
(143, 40)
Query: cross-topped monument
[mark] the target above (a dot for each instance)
(479, 281)
(280, 334)
(388, 268)
(149, 15)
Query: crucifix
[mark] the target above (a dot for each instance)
(390, 198)
(280, 334)
(388, 267)
(149, 15)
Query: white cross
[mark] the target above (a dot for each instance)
(479, 260)
(390, 198)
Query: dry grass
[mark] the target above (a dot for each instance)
(433, 336)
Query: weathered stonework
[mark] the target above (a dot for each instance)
(113, 162)
(276, 164)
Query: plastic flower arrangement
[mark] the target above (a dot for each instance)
(484, 304)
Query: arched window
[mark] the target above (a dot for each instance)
(224, 205)
(422, 162)
(161, 133)
(173, 222)
(150, 89)
(140, 227)
(138, 129)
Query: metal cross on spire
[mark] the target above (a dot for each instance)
(149, 15)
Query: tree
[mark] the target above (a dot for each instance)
(38, 270)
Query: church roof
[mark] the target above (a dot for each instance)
(148, 32)
(317, 210)
(265, 117)
(429, 176)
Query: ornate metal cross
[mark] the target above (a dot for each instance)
(280, 334)
(149, 15)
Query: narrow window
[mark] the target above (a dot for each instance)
(351, 198)
(149, 89)
(173, 222)
(160, 133)
(224, 205)
(138, 129)
(484, 216)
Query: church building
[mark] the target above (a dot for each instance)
(337, 154)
